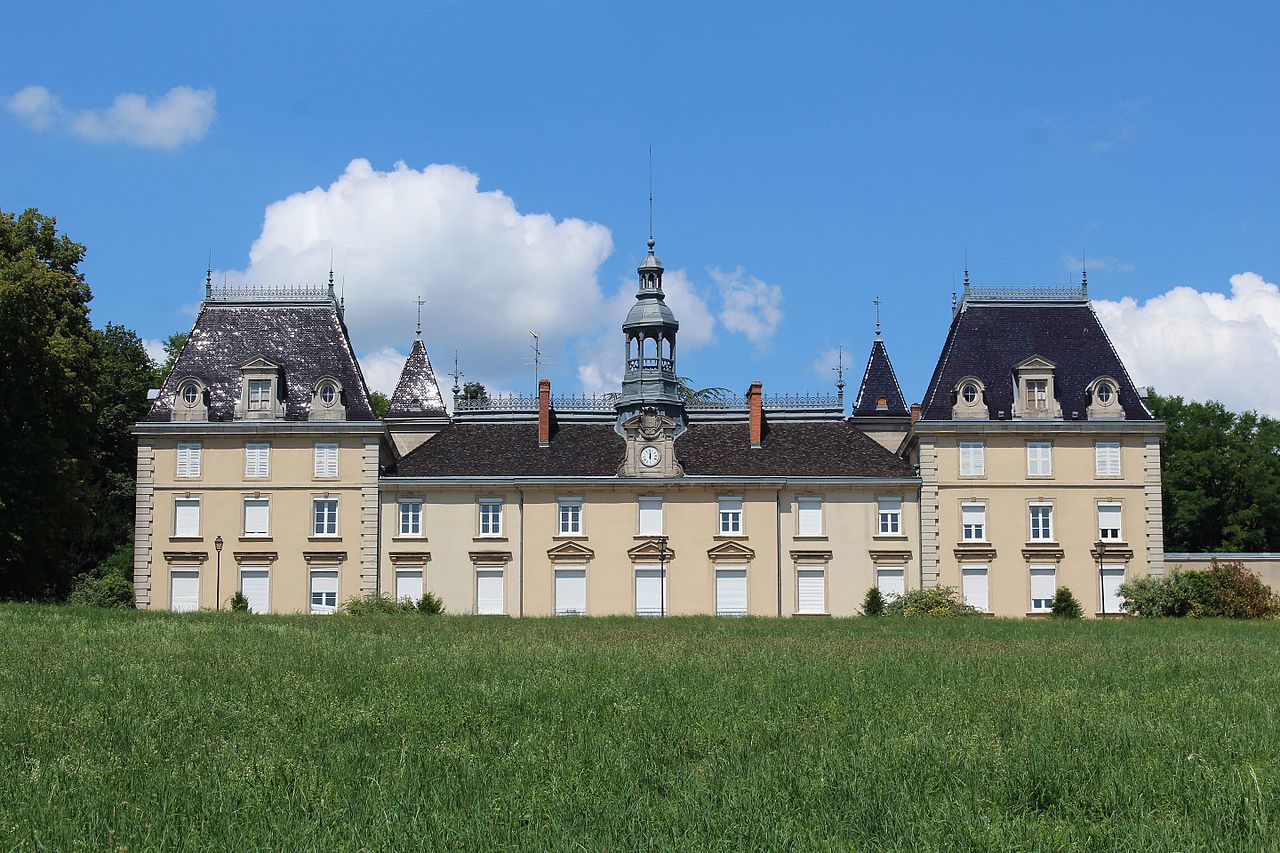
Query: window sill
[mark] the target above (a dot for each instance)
(488, 539)
(1040, 477)
(813, 614)
(972, 476)
(325, 479)
(569, 537)
(252, 537)
(1039, 613)
(1042, 543)
(186, 538)
(898, 536)
(1108, 476)
(408, 539)
(1110, 614)
(809, 538)
(731, 537)
(328, 538)
(643, 536)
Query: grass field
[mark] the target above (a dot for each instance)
(225, 731)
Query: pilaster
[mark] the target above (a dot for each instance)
(1154, 505)
(369, 509)
(144, 516)
(929, 544)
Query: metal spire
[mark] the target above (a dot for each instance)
(208, 276)
(331, 272)
(1084, 274)
(457, 374)
(651, 240)
(966, 270)
(839, 371)
(876, 301)
(420, 302)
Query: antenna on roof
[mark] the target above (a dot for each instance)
(876, 302)
(839, 370)
(420, 302)
(537, 357)
(457, 374)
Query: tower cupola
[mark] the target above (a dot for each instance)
(649, 378)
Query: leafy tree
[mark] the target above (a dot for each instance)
(172, 349)
(475, 392)
(684, 386)
(873, 603)
(1066, 605)
(109, 584)
(380, 403)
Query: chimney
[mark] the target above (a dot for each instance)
(544, 413)
(755, 414)
(915, 412)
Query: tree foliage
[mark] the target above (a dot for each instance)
(873, 602)
(1221, 475)
(1226, 589)
(172, 349)
(380, 403)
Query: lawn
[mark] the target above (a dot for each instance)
(227, 731)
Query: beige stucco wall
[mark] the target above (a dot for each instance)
(610, 524)
(1265, 566)
(221, 488)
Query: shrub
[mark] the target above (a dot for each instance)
(1065, 605)
(1226, 589)
(374, 604)
(1237, 593)
(108, 584)
(873, 603)
(933, 601)
(431, 604)
(239, 603)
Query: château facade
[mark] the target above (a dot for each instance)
(1032, 463)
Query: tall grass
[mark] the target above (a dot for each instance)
(218, 731)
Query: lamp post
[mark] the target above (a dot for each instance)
(217, 575)
(1102, 584)
(662, 575)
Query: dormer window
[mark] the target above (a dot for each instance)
(259, 395)
(1105, 394)
(328, 393)
(1034, 393)
(190, 394)
(260, 386)
(326, 400)
(1104, 399)
(189, 404)
(969, 393)
(969, 403)
(1037, 395)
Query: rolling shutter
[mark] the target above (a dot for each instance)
(809, 510)
(324, 592)
(649, 592)
(1109, 522)
(975, 587)
(811, 594)
(184, 590)
(892, 583)
(489, 592)
(1112, 577)
(731, 592)
(257, 513)
(186, 517)
(650, 516)
(408, 584)
(571, 592)
(256, 586)
(1044, 585)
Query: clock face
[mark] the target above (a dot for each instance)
(650, 456)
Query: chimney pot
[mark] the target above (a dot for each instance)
(755, 413)
(915, 412)
(544, 413)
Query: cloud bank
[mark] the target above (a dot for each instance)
(179, 116)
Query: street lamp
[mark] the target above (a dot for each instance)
(662, 575)
(1101, 548)
(217, 575)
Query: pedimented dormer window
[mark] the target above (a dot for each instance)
(189, 403)
(1104, 399)
(970, 400)
(260, 390)
(1034, 392)
(326, 401)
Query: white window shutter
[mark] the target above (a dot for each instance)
(809, 510)
(184, 590)
(975, 587)
(1112, 577)
(186, 517)
(810, 591)
(257, 514)
(571, 591)
(326, 460)
(972, 459)
(650, 591)
(256, 586)
(891, 582)
(188, 459)
(1044, 584)
(731, 591)
(650, 516)
(489, 598)
(257, 460)
(1107, 458)
(408, 584)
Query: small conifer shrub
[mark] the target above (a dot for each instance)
(1065, 605)
(239, 603)
(430, 604)
(873, 603)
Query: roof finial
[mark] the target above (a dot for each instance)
(331, 272)
(966, 270)
(876, 301)
(457, 374)
(839, 370)
(651, 240)
(208, 276)
(420, 302)
(1084, 274)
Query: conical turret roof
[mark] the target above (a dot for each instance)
(417, 393)
(879, 383)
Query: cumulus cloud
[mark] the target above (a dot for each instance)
(155, 350)
(1204, 345)
(382, 367)
(751, 307)
(181, 115)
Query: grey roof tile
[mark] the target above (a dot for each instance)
(417, 393)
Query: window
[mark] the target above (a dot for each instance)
(1106, 458)
(324, 591)
(1039, 458)
(811, 589)
(328, 393)
(889, 517)
(1109, 522)
(730, 516)
(650, 515)
(186, 517)
(326, 459)
(259, 395)
(571, 591)
(190, 394)
(184, 590)
(257, 460)
(188, 459)
(324, 514)
(973, 459)
(969, 393)
(1105, 394)
(570, 517)
(489, 591)
(731, 591)
(255, 583)
(257, 515)
(651, 590)
(1044, 583)
(809, 515)
(973, 522)
(1042, 522)
(974, 585)
(891, 583)
(408, 584)
(411, 518)
(491, 516)
(1037, 395)
(1112, 575)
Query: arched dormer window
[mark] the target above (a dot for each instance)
(190, 403)
(1103, 395)
(970, 400)
(326, 400)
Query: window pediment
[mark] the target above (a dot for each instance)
(649, 550)
(731, 551)
(571, 552)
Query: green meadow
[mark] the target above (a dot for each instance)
(149, 731)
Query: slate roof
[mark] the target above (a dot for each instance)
(987, 340)
(417, 393)
(799, 449)
(308, 340)
(879, 382)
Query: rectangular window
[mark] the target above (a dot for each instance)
(326, 459)
(569, 517)
(188, 459)
(651, 591)
(257, 460)
(184, 590)
(650, 516)
(1109, 522)
(811, 590)
(490, 599)
(186, 517)
(974, 585)
(1039, 458)
(411, 518)
(973, 522)
(731, 591)
(1112, 577)
(259, 395)
(490, 516)
(255, 583)
(1042, 522)
(892, 583)
(257, 516)
(408, 584)
(889, 515)
(730, 516)
(809, 515)
(973, 459)
(1037, 395)
(324, 514)
(1106, 458)
(571, 591)
(1044, 583)
(324, 591)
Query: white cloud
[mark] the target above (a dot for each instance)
(155, 349)
(1204, 345)
(751, 307)
(382, 367)
(1075, 263)
(181, 115)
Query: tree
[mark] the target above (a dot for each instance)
(684, 386)
(172, 349)
(380, 404)
(873, 602)
(475, 392)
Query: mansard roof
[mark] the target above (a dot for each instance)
(832, 448)
(417, 393)
(305, 338)
(990, 337)
(879, 382)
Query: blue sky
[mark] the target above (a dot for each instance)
(807, 159)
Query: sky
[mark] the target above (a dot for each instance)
(493, 159)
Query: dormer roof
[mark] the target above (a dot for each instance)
(417, 394)
(879, 382)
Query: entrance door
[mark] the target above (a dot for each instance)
(256, 586)
(731, 591)
(184, 590)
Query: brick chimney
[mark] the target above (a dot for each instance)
(915, 412)
(544, 413)
(755, 413)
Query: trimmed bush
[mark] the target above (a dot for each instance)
(1065, 605)
(873, 603)
(431, 604)
(934, 601)
(239, 603)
